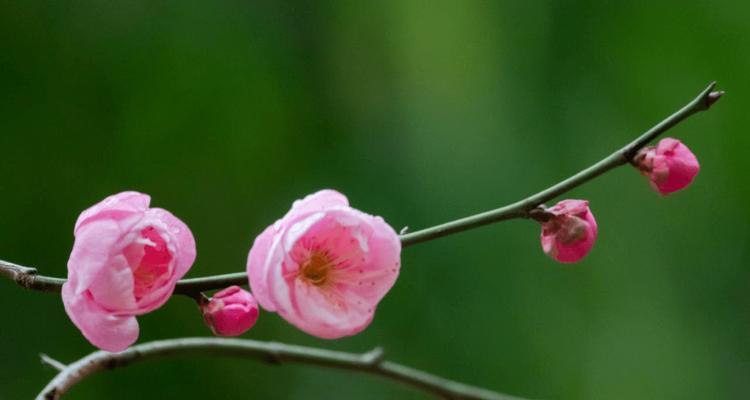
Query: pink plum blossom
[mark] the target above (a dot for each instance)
(230, 312)
(670, 165)
(125, 262)
(570, 232)
(324, 266)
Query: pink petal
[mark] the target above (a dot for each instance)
(91, 251)
(234, 320)
(104, 330)
(181, 236)
(378, 272)
(113, 286)
(318, 201)
(570, 206)
(256, 268)
(117, 206)
(330, 315)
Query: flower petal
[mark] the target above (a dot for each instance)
(91, 251)
(118, 206)
(180, 235)
(113, 286)
(318, 201)
(256, 268)
(105, 331)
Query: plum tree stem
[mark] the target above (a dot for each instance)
(371, 362)
(525, 208)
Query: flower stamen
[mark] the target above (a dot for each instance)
(316, 269)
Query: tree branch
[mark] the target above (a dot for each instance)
(523, 208)
(27, 277)
(274, 353)
(526, 208)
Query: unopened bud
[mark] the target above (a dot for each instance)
(231, 312)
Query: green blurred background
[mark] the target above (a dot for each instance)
(227, 111)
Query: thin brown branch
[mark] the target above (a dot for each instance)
(370, 362)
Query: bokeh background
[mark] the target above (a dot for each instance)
(422, 112)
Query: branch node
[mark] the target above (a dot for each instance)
(540, 214)
(370, 362)
(373, 357)
(26, 278)
(273, 355)
(200, 299)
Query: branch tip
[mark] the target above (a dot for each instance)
(47, 360)
(713, 97)
(708, 97)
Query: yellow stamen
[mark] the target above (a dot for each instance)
(316, 269)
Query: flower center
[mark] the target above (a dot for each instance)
(154, 267)
(316, 268)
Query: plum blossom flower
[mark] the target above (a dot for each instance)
(670, 166)
(230, 312)
(125, 262)
(324, 266)
(570, 232)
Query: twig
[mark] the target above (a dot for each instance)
(523, 208)
(526, 208)
(47, 360)
(27, 277)
(271, 352)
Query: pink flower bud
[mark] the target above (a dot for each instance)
(125, 262)
(570, 232)
(324, 266)
(670, 165)
(231, 312)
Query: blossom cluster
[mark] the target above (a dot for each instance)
(324, 266)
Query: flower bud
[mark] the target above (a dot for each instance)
(570, 232)
(231, 312)
(670, 165)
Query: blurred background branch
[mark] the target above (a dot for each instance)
(370, 362)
